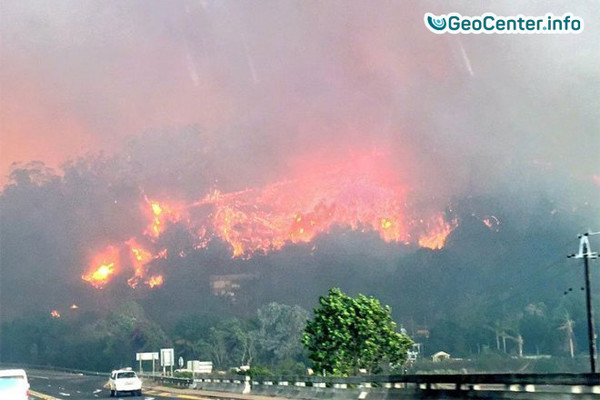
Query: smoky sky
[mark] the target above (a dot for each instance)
(127, 99)
(280, 80)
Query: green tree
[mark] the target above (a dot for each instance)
(348, 334)
(229, 343)
(280, 331)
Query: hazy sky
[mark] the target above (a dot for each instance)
(180, 94)
(294, 78)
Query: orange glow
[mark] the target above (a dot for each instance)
(156, 280)
(103, 267)
(161, 215)
(54, 314)
(435, 237)
(74, 307)
(492, 222)
(140, 258)
(363, 193)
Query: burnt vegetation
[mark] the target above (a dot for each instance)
(494, 290)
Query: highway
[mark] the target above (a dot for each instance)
(50, 385)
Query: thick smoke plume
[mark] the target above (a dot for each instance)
(171, 102)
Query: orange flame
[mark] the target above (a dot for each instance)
(492, 222)
(140, 258)
(359, 196)
(103, 267)
(363, 193)
(435, 237)
(156, 280)
(160, 215)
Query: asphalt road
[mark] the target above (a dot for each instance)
(50, 385)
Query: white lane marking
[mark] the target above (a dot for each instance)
(64, 394)
(97, 391)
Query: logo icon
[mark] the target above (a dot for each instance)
(435, 23)
(491, 23)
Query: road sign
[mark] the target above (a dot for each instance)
(200, 367)
(146, 356)
(167, 357)
(180, 362)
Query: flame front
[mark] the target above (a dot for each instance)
(154, 281)
(103, 267)
(297, 210)
(361, 194)
(140, 259)
(161, 214)
(435, 237)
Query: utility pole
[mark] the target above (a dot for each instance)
(586, 253)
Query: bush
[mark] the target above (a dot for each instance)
(259, 372)
(183, 374)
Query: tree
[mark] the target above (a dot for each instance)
(348, 334)
(280, 331)
(568, 328)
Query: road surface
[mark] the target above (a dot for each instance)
(50, 385)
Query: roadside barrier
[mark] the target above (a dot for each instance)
(452, 386)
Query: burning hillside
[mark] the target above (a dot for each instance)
(362, 193)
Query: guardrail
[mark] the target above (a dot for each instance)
(488, 386)
(379, 387)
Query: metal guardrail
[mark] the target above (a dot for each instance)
(585, 379)
(542, 386)
(559, 383)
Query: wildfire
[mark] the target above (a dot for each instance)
(161, 215)
(140, 258)
(492, 222)
(297, 210)
(109, 263)
(156, 280)
(103, 267)
(362, 194)
(435, 237)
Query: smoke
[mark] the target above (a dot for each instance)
(293, 78)
(139, 99)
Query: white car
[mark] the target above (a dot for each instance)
(124, 381)
(14, 384)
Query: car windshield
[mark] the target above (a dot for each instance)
(11, 381)
(126, 375)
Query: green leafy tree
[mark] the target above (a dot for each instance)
(280, 331)
(348, 334)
